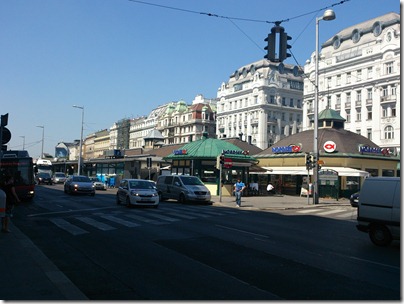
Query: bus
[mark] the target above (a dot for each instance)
(19, 164)
(43, 166)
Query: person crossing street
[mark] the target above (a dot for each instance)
(238, 190)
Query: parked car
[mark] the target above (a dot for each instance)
(79, 184)
(183, 188)
(43, 178)
(137, 192)
(59, 177)
(98, 185)
(354, 199)
(379, 209)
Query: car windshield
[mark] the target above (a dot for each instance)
(81, 179)
(191, 180)
(59, 175)
(141, 185)
(43, 175)
(94, 179)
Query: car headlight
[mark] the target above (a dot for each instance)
(134, 193)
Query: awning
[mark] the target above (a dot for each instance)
(301, 170)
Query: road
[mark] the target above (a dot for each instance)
(207, 252)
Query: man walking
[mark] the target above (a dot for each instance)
(238, 189)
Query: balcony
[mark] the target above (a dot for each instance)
(358, 103)
(388, 98)
(272, 121)
(338, 106)
(254, 121)
(347, 105)
(369, 102)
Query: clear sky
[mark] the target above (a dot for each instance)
(122, 58)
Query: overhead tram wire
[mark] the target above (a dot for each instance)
(236, 18)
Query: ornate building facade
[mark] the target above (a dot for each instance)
(261, 103)
(359, 77)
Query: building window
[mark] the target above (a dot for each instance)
(369, 114)
(384, 112)
(393, 112)
(358, 115)
(388, 68)
(299, 104)
(338, 80)
(358, 131)
(348, 97)
(369, 131)
(348, 77)
(369, 94)
(348, 116)
(359, 96)
(271, 99)
(291, 103)
(329, 82)
(388, 132)
(358, 75)
(370, 72)
(283, 101)
(283, 116)
(393, 91)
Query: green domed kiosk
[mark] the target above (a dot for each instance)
(202, 158)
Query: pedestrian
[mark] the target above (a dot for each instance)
(270, 189)
(11, 198)
(238, 190)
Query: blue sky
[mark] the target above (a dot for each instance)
(121, 58)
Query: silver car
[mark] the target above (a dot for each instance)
(137, 192)
(98, 185)
(79, 184)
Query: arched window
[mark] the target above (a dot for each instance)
(388, 132)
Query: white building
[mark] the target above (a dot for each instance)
(359, 77)
(261, 103)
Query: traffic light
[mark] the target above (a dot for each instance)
(219, 161)
(270, 48)
(284, 46)
(149, 162)
(309, 159)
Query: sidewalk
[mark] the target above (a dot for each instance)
(277, 202)
(27, 274)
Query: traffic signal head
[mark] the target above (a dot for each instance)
(270, 48)
(284, 46)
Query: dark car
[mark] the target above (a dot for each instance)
(354, 199)
(79, 184)
(43, 178)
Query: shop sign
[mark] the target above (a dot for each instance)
(235, 152)
(180, 152)
(287, 149)
(327, 175)
(374, 150)
(329, 146)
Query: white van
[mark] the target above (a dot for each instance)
(182, 188)
(379, 209)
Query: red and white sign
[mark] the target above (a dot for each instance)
(329, 146)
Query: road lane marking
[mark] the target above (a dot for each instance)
(65, 225)
(330, 212)
(119, 220)
(67, 211)
(143, 219)
(94, 223)
(243, 231)
(163, 217)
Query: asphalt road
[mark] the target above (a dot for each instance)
(205, 252)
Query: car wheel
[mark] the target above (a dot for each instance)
(127, 202)
(380, 235)
(182, 199)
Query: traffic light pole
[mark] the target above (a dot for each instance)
(220, 182)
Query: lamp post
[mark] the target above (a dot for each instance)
(327, 16)
(81, 138)
(43, 137)
(23, 142)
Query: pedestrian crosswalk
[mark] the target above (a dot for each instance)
(132, 218)
(347, 213)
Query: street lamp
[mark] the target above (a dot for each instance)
(327, 16)
(23, 142)
(43, 137)
(81, 138)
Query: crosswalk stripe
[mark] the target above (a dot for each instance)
(307, 211)
(197, 214)
(330, 212)
(94, 223)
(182, 215)
(143, 219)
(119, 220)
(163, 217)
(65, 225)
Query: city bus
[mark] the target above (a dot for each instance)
(19, 164)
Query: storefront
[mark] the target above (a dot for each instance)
(203, 158)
